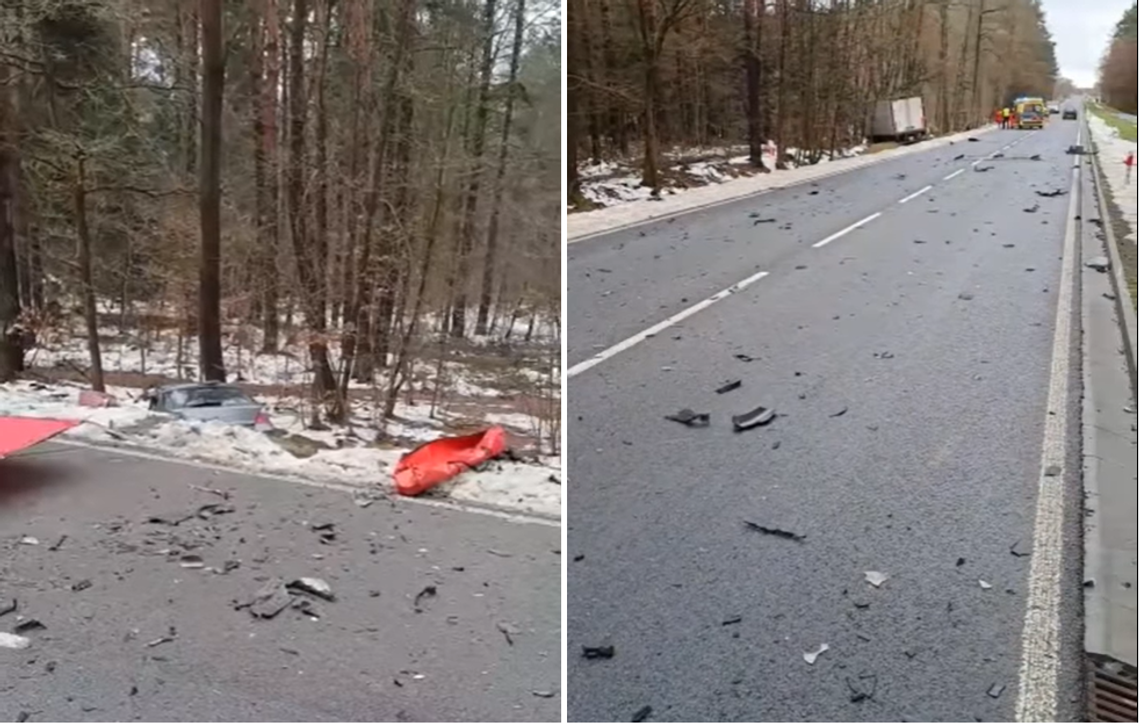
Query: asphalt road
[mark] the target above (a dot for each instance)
(909, 360)
(369, 656)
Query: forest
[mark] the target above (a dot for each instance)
(367, 188)
(1118, 66)
(646, 76)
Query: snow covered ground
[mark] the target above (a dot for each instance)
(1111, 152)
(349, 456)
(626, 204)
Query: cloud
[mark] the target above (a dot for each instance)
(1081, 31)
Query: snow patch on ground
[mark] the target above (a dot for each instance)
(628, 206)
(336, 456)
(1111, 152)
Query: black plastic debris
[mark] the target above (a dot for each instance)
(729, 386)
(995, 690)
(1089, 584)
(863, 687)
(1052, 470)
(58, 543)
(689, 418)
(1099, 263)
(744, 358)
(427, 593)
(1051, 194)
(983, 169)
(759, 221)
(306, 607)
(884, 355)
(959, 157)
(919, 241)
(508, 632)
(80, 586)
(599, 652)
(774, 532)
(1035, 157)
(1032, 209)
(1007, 246)
(731, 621)
(840, 413)
(314, 586)
(268, 601)
(971, 139)
(8, 606)
(758, 417)
(961, 561)
(27, 624)
(642, 714)
(966, 296)
(543, 693)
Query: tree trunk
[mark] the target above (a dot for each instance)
(491, 259)
(210, 359)
(267, 52)
(471, 202)
(11, 341)
(753, 11)
(86, 277)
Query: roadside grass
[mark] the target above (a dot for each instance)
(1126, 129)
(1121, 232)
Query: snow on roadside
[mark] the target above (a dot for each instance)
(1111, 151)
(329, 456)
(678, 200)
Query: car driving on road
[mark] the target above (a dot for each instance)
(1069, 114)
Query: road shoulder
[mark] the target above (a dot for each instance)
(1109, 448)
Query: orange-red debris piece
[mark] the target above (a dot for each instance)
(438, 461)
(17, 433)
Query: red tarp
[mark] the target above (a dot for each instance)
(18, 433)
(429, 464)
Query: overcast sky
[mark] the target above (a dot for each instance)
(1081, 29)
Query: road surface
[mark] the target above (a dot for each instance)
(900, 320)
(369, 656)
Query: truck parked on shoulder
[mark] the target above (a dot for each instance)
(902, 120)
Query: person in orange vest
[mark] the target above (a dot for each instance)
(997, 116)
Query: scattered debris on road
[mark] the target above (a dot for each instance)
(983, 169)
(1007, 246)
(268, 601)
(1051, 194)
(14, 642)
(1015, 552)
(1032, 209)
(736, 619)
(642, 714)
(984, 585)
(971, 139)
(1053, 470)
(865, 690)
(758, 417)
(58, 543)
(689, 418)
(1098, 263)
(966, 296)
(171, 634)
(80, 586)
(8, 606)
(508, 631)
(543, 693)
(314, 586)
(811, 656)
(1035, 157)
(28, 624)
(427, 593)
(597, 652)
(744, 357)
(995, 690)
(29, 541)
(840, 413)
(884, 355)
(774, 532)
(729, 386)
(876, 578)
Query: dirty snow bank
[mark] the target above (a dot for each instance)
(337, 456)
(1111, 152)
(628, 208)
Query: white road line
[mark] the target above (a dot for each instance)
(955, 173)
(307, 482)
(661, 326)
(916, 194)
(1040, 636)
(844, 232)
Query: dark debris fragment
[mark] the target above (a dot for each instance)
(597, 652)
(428, 592)
(774, 532)
(689, 418)
(642, 714)
(757, 417)
(729, 386)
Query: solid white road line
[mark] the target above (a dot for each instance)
(1040, 636)
(307, 482)
(916, 194)
(955, 173)
(661, 326)
(844, 232)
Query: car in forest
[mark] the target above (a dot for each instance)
(1069, 114)
(208, 402)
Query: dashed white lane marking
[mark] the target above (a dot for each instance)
(843, 232)
(661, 326)
(1040, 636)
(959, 172)
(916, 194)
(438, 503)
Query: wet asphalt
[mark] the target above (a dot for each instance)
(908, 362)
(485, 646)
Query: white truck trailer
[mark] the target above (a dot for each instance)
(902, 120)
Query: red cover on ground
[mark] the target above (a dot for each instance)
(18, 433)
(429, 464)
